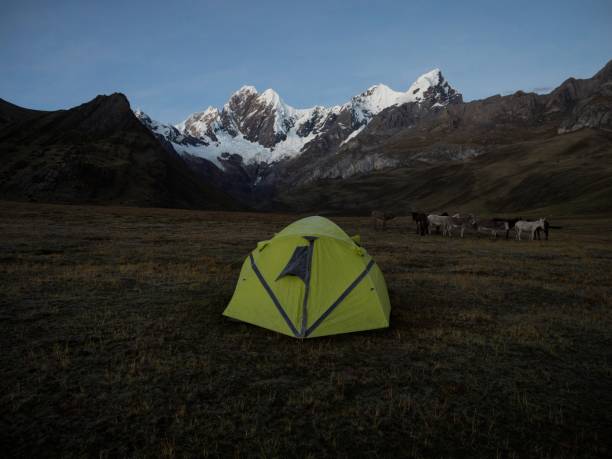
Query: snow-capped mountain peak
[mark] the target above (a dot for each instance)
(375, 99)
(246, 89)
(164, 130)
(430, 86)
(271, 97)
(201, 124)
(283, 113)
(431, 78)
(211, 111)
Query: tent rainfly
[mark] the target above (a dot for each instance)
(310, 280)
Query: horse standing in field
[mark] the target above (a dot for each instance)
(422, 225)
(528, 227)
(380, 219)
(440, 222)
(437, 228)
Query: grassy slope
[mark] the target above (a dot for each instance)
(563, 175)
(114, 344)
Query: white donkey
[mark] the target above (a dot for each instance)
(443, 222)
(530, 227)
(463, 222)
(491, 227)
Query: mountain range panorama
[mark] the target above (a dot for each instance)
(422, 148)
(261, 127)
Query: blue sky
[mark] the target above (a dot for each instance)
(174, 58)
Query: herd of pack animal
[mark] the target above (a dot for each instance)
(446, 224)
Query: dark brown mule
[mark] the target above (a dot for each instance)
(422, 224)
(546, 228)
(510, 222)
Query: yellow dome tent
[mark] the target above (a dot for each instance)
(310, 280)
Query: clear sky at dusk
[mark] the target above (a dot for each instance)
(174, 58)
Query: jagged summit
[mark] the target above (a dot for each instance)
(271, 96)
(431, 87)
(434, 87)
(431, 78)
(201, 124)
(246, 89)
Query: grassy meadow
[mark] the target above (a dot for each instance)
(113, 343)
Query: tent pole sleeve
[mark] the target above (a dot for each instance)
(272, 296)
(341, 298)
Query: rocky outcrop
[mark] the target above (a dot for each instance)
(595, 114)
(589, 102)
(202, 125)
(255, 117)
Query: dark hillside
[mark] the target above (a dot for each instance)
(97, 152)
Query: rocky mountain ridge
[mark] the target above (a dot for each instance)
(409, 134)
(423, 148)
(262, 128)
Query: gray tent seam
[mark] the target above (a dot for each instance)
(273, 296)
(341, 298)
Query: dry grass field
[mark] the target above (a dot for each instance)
(113, 343)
